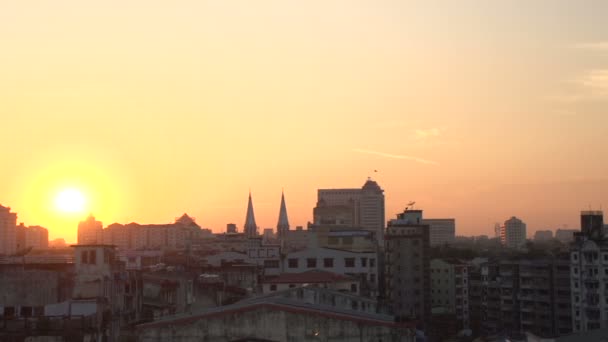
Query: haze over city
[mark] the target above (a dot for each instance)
(475, 110)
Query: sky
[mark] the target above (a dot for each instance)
(477, 110)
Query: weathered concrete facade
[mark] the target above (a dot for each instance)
(271, 323)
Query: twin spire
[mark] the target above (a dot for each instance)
(251, 228)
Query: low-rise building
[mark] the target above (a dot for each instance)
(298, 314)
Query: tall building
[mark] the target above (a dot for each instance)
(36, 237)
(513, 233)
(526, 295)
(407, 275)
(8, 231)
(592, 224)
(449, 289)
(442, 231)
(283, 224)
(588, 270)
(362, 208)
(251, 228)
(90, 231)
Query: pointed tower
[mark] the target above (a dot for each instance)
(251, 229)
(283, 225)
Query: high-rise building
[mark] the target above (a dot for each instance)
(588, 270)
(251, 228)
(513, 233)
(90, 231)
(526, 295)
(361, 208)
(8, 231)
(442, 231)
(407, 275)
(283, 224)
(36, 237)
(592, 224)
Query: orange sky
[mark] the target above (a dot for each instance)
(476, 110)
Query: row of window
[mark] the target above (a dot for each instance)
(329, 262)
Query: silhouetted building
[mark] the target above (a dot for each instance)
(90, 231)
(231, 228)
(362, 208)
(283, 224)
(251, 228)
(527, 295)
(8, 231)
(513, 233)
(589, 261)
(592, 224)
(34, 237)
(407, 273)
(543, 235)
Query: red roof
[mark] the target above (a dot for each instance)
(313, 276)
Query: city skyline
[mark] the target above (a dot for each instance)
(475, 110)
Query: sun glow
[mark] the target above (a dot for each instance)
(70, 201)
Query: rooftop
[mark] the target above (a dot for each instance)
(311, 277)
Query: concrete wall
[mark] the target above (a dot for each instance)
(271, 325)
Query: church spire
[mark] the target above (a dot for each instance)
(251, 228)
(283, 225)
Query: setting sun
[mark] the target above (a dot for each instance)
(70, 201)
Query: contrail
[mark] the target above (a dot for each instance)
(396, 156)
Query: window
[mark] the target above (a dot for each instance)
(273, 287)
(372, 262)
(328, 262)
(576, 270)
(93, 257)
(353, 287)
(349, 262)
(26, 311)
(271, 263)
(311, 262)
(372, 278)
(364, 262)
(84, 257)
(292, 263)
(291, 286)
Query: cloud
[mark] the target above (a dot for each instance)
(590, 86)
(396, 156)
(596, 46)
(422, 134)
(596, 82)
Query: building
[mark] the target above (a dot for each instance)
(297, 314)
(543, 235)
(251, 228)
(36, 237)
(363, 266)
(90, 231)
(526, 295)
(565, 235)
(513, 233)
(442, 231)
(362, 208)
(231, 228)
(8, 231)
(283, 223)
(589, 270)
(449, 289)
(407, 268)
